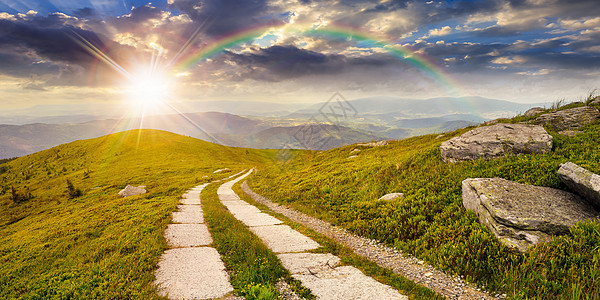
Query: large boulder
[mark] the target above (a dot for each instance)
(496, 141)
(582, 181)
(132, 191)
(569, 119)
(522, 215)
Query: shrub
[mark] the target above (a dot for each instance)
(72, 191)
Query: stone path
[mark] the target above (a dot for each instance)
(386, 257)
(191, 269)
(318, 272)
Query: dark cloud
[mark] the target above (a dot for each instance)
(220, 17)
(49, 46)
(278, 63)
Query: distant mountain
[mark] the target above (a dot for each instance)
(435, 121)
(26, 139)
(222, 128)
(311, 136)
(411, 108)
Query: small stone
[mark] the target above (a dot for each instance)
(392, 196)
(221, 170)
(570, 133)
(428, 274)
(132, 191)
(352, 156)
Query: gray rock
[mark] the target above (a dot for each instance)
(569, 133)
(583, 182)
(496, 141)
(596, 101)
(391, 196)
(534, 111)
(132, 191)
(569, 119)
(522, 215)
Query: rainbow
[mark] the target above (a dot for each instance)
(335, 31)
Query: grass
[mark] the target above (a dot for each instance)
(97, 244)
(348, 257)
(430, 221)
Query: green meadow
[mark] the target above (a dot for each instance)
(99, 245)
(430, 221)
(66, 234)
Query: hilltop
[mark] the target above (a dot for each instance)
(99, 245)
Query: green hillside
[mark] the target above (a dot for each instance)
(55, 243)
(431, 223)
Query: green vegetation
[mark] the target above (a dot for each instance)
(56, 243)
(431, 223)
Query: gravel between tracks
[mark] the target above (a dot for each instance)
(386, 257)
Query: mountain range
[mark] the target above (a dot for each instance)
(319, 126)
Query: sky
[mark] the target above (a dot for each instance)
(102, 52)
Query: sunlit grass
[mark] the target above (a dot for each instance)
(99, 245)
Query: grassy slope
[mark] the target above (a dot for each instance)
(431, 223)
(100, 245)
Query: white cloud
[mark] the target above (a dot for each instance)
(441, 31)
(509, 60)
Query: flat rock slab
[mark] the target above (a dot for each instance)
(188, 214)
(496, 141)
(242, 209)
(228, 196)
(190, 198)
(308, 263)
(346, 283)
(283, 239)
(192, 273)
(187, 235)
(257, 219)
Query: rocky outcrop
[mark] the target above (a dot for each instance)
(596, 101)
(132, 191)
(583, 182)
(569, 119)
(391, 196)
(496, 141)
(522, 215)
(534, 111)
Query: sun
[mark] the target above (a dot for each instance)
(147, 89)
